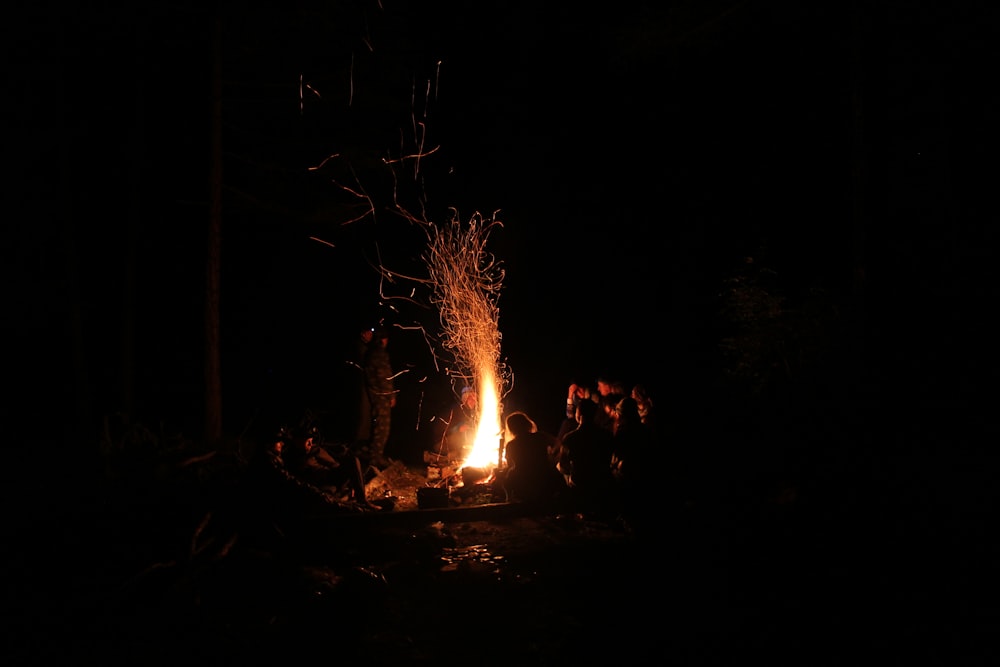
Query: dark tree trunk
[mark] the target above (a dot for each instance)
(137, 148)
(858, 182)
(213, 381)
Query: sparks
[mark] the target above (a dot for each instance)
(314, 238)
(465, 283)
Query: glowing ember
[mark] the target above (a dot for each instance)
(466, 282)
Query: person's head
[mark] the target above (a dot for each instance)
(609, 402)
(640, 394)
(605, 386)
(518, 424)
(585, 412)
(627, 411)
(581, 389)
(469, 397)
(280, 440)
(381, 335)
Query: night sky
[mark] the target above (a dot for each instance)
(636, 153)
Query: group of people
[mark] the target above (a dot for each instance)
(298, 468)
(598, 457)
(297, 471)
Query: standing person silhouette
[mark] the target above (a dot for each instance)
(381, 396)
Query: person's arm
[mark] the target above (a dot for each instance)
(571, 402)
(324, 457)
(563, 462)
(510, 453)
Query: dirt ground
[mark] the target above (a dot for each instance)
(149, 584)
(401, 482)
(693, 584)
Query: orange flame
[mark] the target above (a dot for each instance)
(486, 447)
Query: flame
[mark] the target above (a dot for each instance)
(486, 447)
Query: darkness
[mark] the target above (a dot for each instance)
(636, 159)
(639, 155)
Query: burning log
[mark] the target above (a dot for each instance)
(473, 475)
(482, 493)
